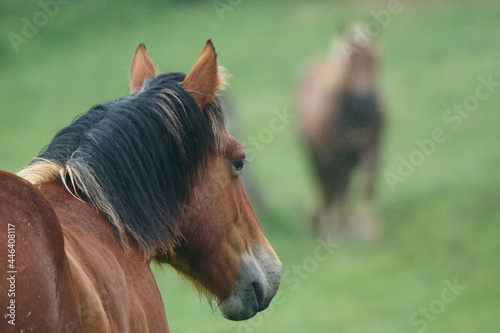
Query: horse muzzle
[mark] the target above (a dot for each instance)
(256, 286)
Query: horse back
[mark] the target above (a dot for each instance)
(36, 288)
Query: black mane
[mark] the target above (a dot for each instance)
(135, 158)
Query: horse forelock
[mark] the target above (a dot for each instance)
(135, 159)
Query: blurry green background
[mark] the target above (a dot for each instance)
(441, 223)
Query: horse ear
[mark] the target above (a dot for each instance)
(142, 69)
(202, 80)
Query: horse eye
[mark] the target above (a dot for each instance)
(238, 165)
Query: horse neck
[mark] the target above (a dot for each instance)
(83, 224)
(358, 75)
(98, 261)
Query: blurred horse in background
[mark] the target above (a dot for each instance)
(340, 119)
(152, 176)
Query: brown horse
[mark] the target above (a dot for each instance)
(148, 177)
(341, 117)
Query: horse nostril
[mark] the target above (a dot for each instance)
(259, 292)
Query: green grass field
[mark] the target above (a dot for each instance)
(441, 223)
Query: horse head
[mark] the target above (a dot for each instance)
(220, 245)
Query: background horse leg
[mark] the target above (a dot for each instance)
(365, 223)
(332, 218)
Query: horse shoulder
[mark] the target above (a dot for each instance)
(40, 281)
